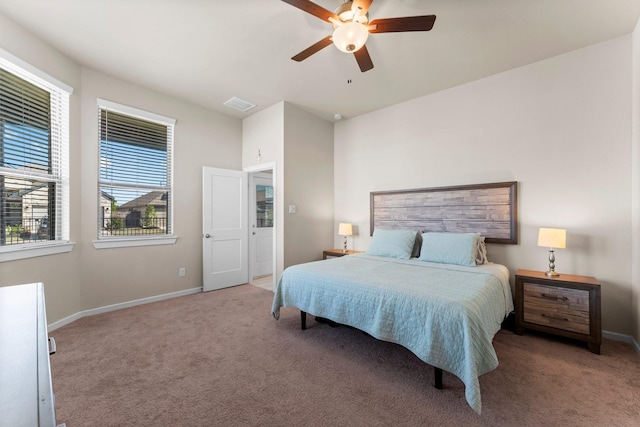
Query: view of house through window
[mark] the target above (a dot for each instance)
(31, 160)
(135, 175)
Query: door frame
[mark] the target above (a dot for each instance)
(250, 171)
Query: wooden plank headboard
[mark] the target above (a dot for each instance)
(489, 209)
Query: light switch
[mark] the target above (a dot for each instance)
(292, 209)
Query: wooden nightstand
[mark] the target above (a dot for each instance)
(566, 305)
(337, 253)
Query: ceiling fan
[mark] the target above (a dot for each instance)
(352, 27)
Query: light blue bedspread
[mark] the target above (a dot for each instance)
(447, 315)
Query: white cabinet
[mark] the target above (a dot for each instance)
(26, 392)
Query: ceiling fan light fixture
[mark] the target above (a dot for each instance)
(350, 36)
(351, 27)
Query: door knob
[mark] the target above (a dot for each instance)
(207, 235)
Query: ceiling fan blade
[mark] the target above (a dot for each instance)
(313, 49)
(363, 5)
(396, 25)
(363, 58)
(313, 9)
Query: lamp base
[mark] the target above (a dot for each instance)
(552, 265)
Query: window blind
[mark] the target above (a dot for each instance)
(135, 175)
(33, 167)
(26, 124)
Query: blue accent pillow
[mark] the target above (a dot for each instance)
(392, 243)
(450, 248)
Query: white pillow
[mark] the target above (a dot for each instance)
(450, 248)
(392, 243)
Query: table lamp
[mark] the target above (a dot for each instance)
(552, 238)
(345, 230)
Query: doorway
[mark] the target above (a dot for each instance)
(239, 227)
(261, 227)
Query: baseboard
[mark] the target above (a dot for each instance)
(624, 338)
(60, 323)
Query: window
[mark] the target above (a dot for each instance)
(264, 206)
(135, 190)
(34, 140)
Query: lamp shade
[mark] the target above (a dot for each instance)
(350, 36)
(552, 238)
(345, 229)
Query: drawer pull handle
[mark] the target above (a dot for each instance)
(553, 297)
(554, 317)
(52, 346)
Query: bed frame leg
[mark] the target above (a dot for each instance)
(303, 320)
(438, 378)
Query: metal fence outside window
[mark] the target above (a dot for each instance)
(28, 230)
(133, 225)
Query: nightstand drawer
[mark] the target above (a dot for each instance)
(561, 308)
(564, 305)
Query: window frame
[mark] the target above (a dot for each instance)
(60, 111)
(108, 242)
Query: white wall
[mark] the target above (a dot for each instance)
(560, 127)
(264, 131)
(308, 184)
(60, 273)
(88, 278)
(301, 145)
(201, 138)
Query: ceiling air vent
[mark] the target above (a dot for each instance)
(239, 104)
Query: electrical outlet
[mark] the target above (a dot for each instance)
(182, 272)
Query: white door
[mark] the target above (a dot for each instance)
(261, 219)
(224, 228)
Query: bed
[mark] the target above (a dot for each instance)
(433, 292)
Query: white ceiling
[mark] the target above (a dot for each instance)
(208, 51)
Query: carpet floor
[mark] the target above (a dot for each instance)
(220, 359)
